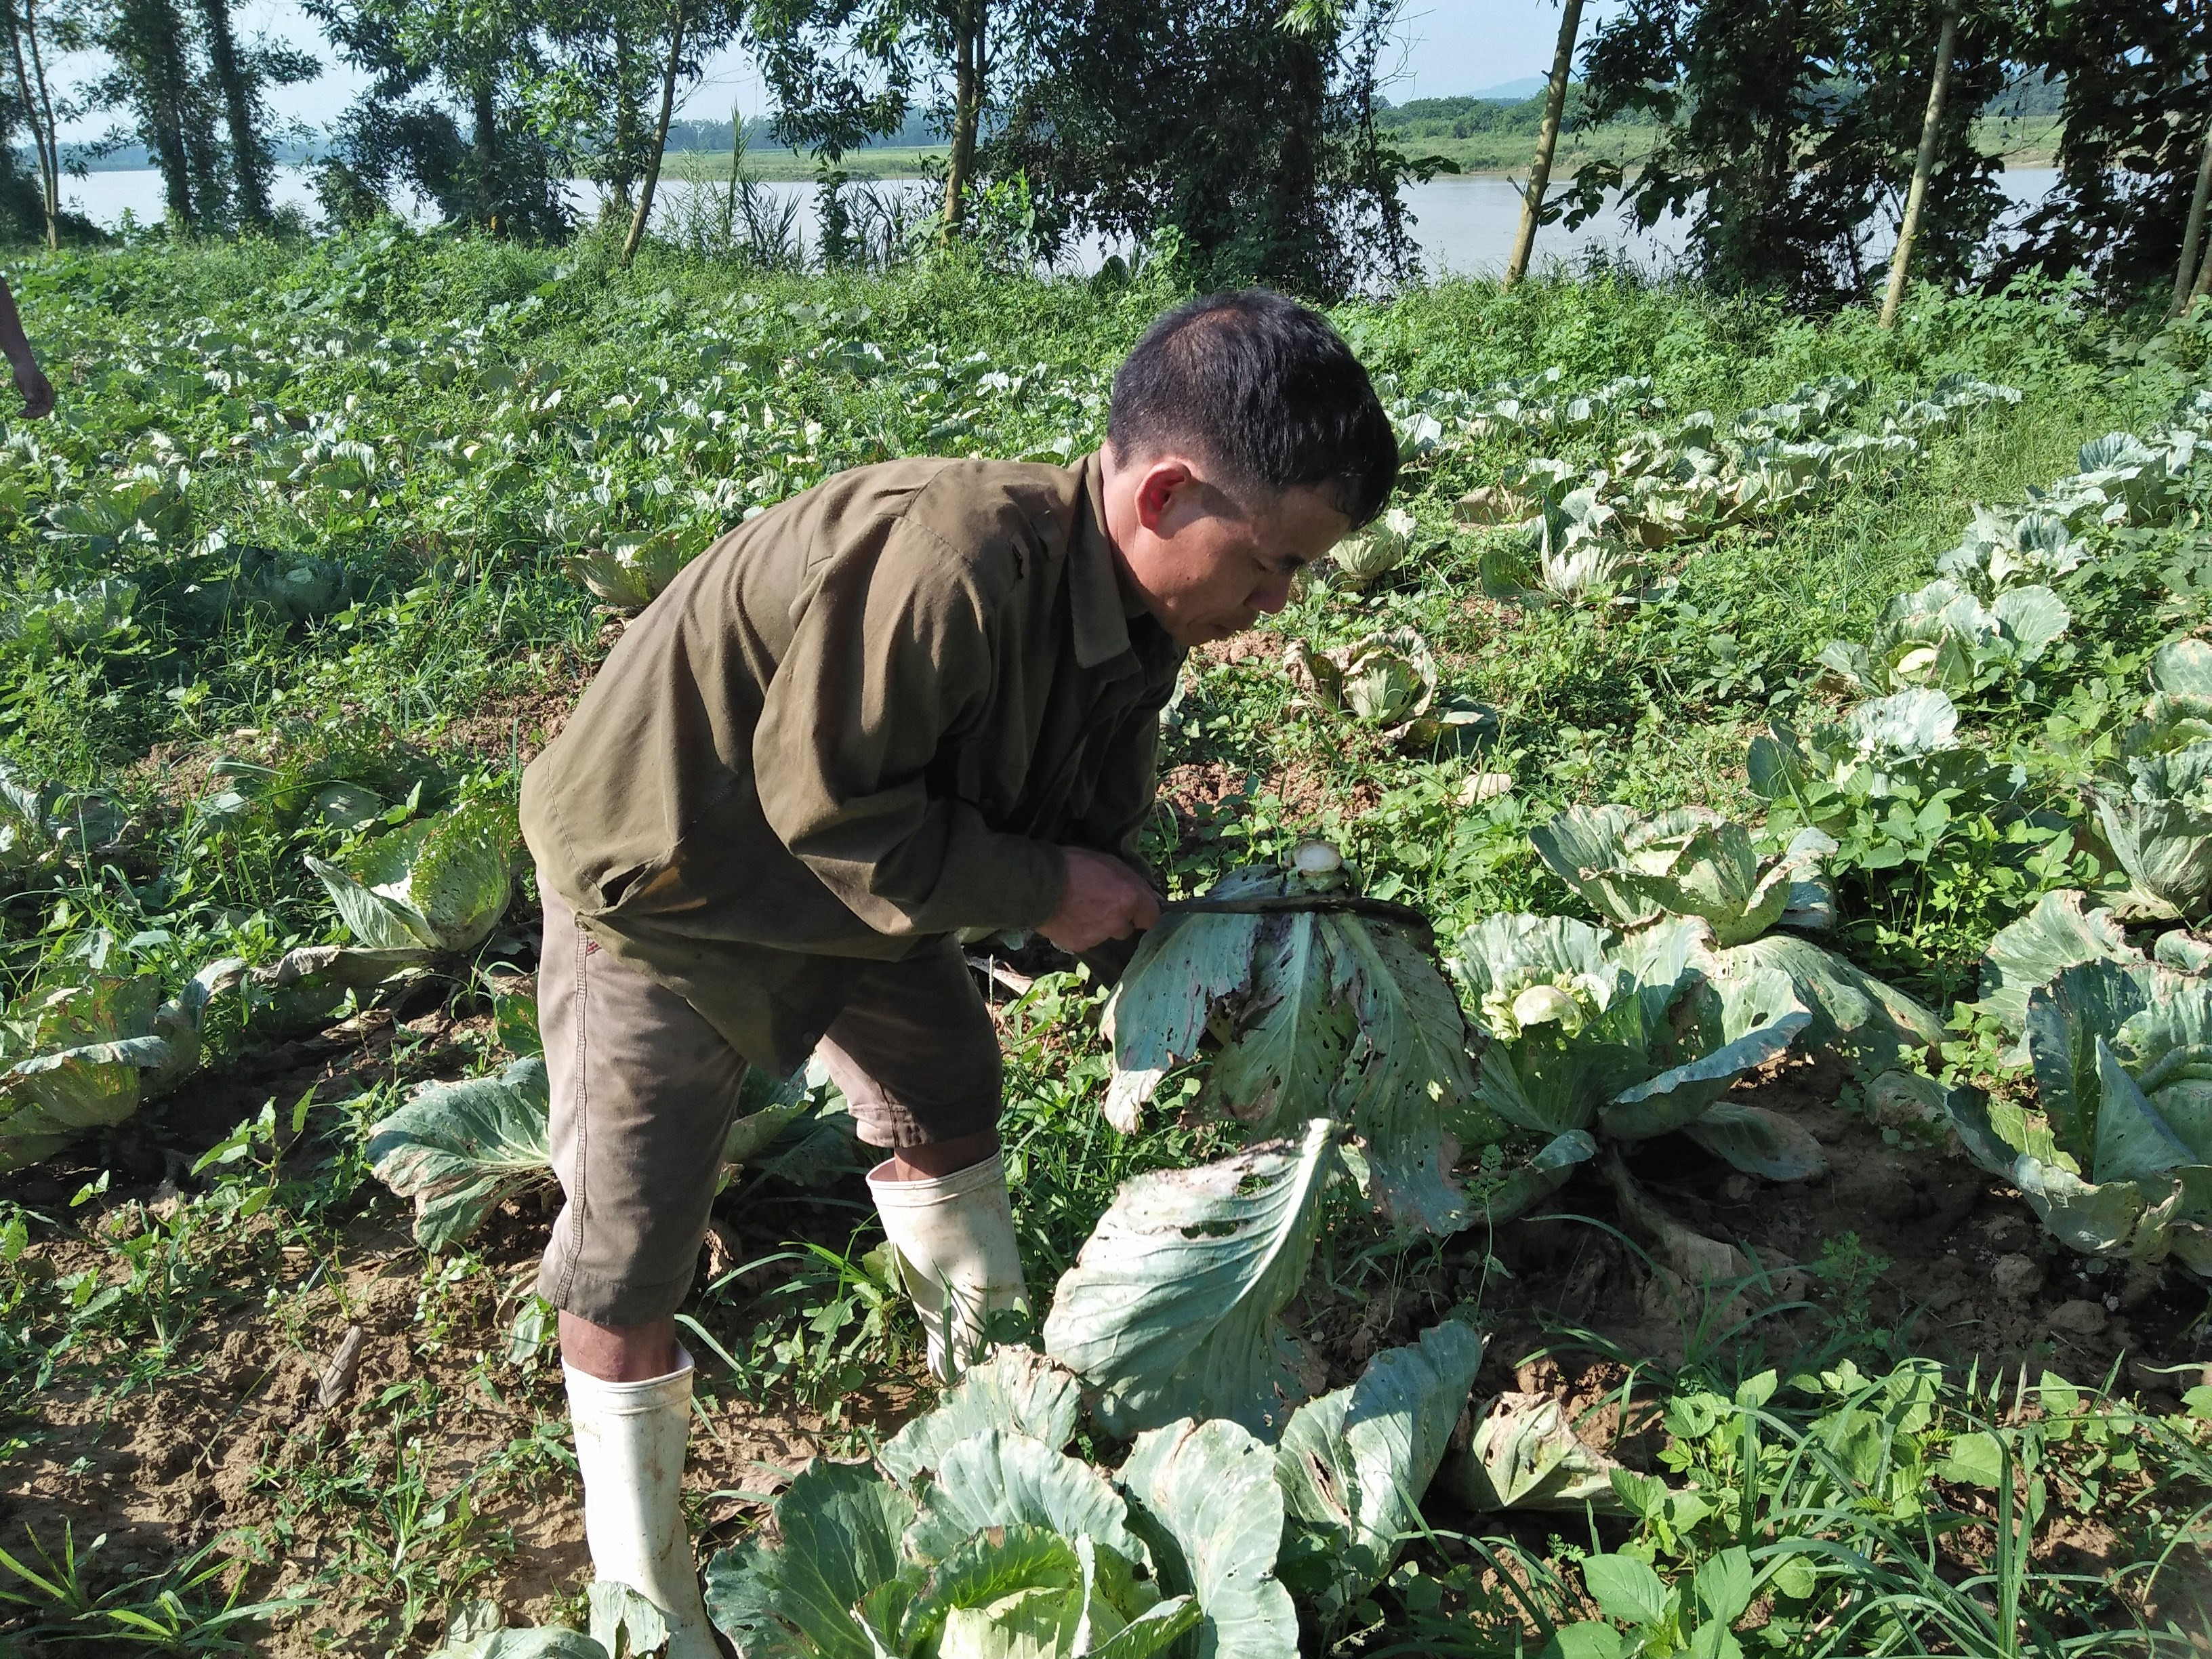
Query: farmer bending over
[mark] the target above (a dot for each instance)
(922, 697)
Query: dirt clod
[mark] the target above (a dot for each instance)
(2016, 1278)
(2078, 1317)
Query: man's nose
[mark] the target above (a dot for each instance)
(1272, 595)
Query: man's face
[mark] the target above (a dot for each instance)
(1210, 562)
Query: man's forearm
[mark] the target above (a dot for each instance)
(14, 344)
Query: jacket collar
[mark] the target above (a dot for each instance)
(1097, 603)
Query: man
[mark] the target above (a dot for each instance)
(921, 697)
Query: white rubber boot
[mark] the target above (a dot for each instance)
(629, 1449)
(954, 1239)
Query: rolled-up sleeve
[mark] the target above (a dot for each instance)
(891, 656)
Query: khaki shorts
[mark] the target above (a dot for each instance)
(644, 1090)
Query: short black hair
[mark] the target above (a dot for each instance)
(1265, 390)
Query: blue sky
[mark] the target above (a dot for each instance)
(1446, 48)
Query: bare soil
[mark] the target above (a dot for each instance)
(224, 1441)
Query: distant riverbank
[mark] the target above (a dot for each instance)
(1462, 224)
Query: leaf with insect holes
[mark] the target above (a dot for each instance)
(997, 1479)
(548, 1642)
(623, 1620)
(2160, 829)
(2061, 932)
(1525, 1455)
(1686, 862)
(88, 1056)
(459, 1150)
(1172, 1308)
(840, 1526)
(1313, 1012)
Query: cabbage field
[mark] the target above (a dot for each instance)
(1683, 1123)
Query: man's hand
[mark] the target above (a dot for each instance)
(37, 391)
(1104, 899)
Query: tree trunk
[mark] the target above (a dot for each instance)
(46, 107)
(652, 181)
(1547, 140)
(2192, 238)
(622, 178)
(1923, 165)
(148, 36)
(967, 112)
(486, 114)
(42, 138)
(238, 110)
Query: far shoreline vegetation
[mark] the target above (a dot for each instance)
(1479, 136)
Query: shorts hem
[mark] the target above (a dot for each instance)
(614, 1303)
(895, 1129)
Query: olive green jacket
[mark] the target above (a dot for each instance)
(862, 720)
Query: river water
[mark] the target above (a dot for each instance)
(1463, 225)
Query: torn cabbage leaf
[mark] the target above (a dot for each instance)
(1311, 1013)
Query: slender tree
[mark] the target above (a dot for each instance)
(1788, 128)
(1931, 136)
(37, 109)
(668, 79)
(151, 74)
(845, 71)
(969, 23)
(1547, 139)
(2193, 238)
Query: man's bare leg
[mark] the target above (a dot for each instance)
(618, 1353)
(940, 1157)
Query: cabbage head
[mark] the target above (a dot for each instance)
(1626, 1041)
(2116, 1157)
(1367, 557)
(2178, 711)
(2160, 829)
(88, 1056)
(1387, 681)
(437, 885)
(1941, 637)
(628, 572)
(2003, 549)
(1706, 873)
(1687, 862)
(1898, 750)
(989, 1539)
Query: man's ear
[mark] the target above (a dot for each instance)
(1161, 482)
